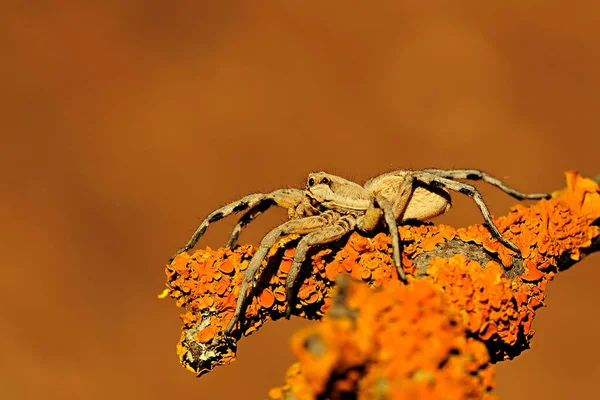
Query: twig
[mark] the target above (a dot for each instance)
(489, 293)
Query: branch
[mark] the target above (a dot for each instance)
(397, 342)
(487, 293)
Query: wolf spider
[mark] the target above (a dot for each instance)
(331, 206)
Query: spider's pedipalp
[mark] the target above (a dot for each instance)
(472, 192)
(283, 197)
(328, 234)
(300, 226)
(475, 175)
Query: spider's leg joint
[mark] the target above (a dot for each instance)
(215, 217)
(466, 191)
(473, 177)
(241, 207)
(436, 183)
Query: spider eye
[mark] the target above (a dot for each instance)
(325, 181)
(311, 182)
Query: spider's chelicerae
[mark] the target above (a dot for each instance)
(331, 206)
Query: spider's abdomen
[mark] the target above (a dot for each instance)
(427, 202)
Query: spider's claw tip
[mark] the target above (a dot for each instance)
(229, 328)
(515, 249)
(401, 274)
(288, 312)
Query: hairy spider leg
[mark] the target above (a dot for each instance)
(326, 235)
(390, 220)
(302, 210)
(299, 226)
(402, 198)
(472, 192)
(475, 175)
(283, 197)
(248, 217)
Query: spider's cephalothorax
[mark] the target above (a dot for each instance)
(331, 206)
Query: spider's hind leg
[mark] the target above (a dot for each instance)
(472, 192)
(475, 175)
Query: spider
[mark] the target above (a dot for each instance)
(330, 207)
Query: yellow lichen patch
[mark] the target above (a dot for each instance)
(496, 310)
(378, 351)
(164, 294)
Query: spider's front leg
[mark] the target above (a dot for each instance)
(299, 226)
(303, 209)
(248, 217)
(328, 234)
(287, 198)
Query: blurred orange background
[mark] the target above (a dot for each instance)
(124, 123)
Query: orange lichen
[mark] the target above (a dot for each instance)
(398, 342)
(496, 309)
(495, 290)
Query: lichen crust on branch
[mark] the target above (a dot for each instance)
(395, 342)
(495, 292)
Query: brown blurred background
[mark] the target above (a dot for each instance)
(123, 124)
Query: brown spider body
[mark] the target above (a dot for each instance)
(331, 206)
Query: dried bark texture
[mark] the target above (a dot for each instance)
(462, 284)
